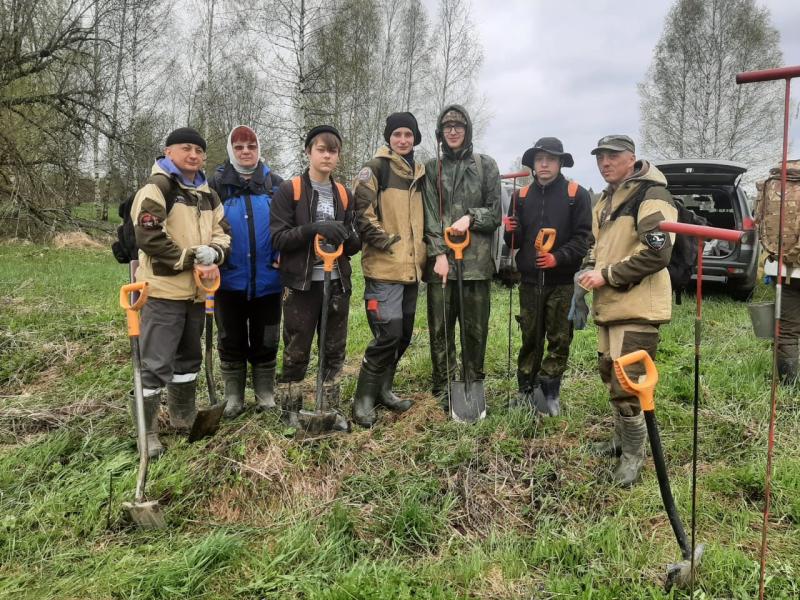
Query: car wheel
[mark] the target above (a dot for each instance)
(741, 293)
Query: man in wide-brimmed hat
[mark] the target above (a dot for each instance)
(551, 201)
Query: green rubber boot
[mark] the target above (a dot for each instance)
(634, 436)
(264, 385)
(367, 390)
(234, 375)
(181, 403)
(152, 406)
(612, 447)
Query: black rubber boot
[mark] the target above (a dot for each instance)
(290, 397)
(387, 398)
(234, 375)
(551, 389)
(367, 390)
(524, 397)
(634, 436)
(152, 407)
(264, 385)
(181, 403)
(787, 363)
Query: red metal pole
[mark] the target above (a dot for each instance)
(786, 73)
(702, 232)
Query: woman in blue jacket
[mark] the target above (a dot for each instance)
(248, 303)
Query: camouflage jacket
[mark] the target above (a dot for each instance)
(470, 185)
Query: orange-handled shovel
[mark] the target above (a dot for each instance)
(680, 573)
(206, 421)
(146, 514)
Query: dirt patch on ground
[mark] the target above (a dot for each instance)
(75, 239)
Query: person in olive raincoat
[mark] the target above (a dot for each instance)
(462, 191)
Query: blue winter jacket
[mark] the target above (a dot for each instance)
(251, 266)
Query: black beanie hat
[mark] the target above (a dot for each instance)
(186, 135)
(321, 129)
(402, 119)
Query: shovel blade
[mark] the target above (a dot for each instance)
(467, 401)
(206, 423)
(680, 574)
(146, 515)
(318, 422)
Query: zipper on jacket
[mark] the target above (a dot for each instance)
(251, 292)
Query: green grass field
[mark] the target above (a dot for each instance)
(419, 507)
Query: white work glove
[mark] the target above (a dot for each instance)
(205, 255)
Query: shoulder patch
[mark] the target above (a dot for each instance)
(364, 174)
(655, 239)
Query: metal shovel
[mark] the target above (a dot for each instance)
(321, 421)
(545, 240)
(146, 514)
(467, 398)
(682, 573)
(207, 420)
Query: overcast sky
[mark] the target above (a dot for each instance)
(569, 68)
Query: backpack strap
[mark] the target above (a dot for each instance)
(166, 185)
(297, 187)
(572, 189)
(342, 194)
(631, 206)
(523, 191)
(384, 174)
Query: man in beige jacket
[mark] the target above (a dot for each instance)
(627, 271)
(179, 222)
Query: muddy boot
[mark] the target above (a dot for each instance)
(787, 363)
(152, 406)
(387, 398)
(367, 390)
(612, 447)
(264, 385)
(331, 396)
(551, 390)
(180, 403)
(234, 375)
(291, 401)
(524, 397)
(634, 436)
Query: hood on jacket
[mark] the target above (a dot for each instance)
(227, 175)
(166, 167)
(644, 171)
(466, 149)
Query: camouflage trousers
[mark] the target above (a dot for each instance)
(301, 319)
(614, 341)
(543, 315)
(789, 338)
(475, 330)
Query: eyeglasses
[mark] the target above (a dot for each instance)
(454, 128)
(241, 147)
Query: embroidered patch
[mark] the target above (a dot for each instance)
(365, 174)
(148, 221)
(655, 240)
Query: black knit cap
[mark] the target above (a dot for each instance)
(186, 135)
(402, 119)
(321, 129)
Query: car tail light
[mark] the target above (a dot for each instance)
(749, 227)
(735, 271)
(748, 224)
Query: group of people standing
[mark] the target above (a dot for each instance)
(259, 230)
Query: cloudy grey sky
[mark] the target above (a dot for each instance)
(569, 68)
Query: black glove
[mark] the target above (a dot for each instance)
(334, 232)
(391, 241)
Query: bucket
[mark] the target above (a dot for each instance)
(762, 315)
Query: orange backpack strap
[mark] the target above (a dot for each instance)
(523, 191)
(342, 194)
(297, 187)
(572, 189)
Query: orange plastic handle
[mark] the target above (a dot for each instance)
(456, 247)
(328, 258)
(642, 389)
(198, 279)
(132, 310)
(545, 239)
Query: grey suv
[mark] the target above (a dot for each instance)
(710, 189)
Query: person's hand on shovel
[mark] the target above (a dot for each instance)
(546, 260)
(207, 272)
(461, 226)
